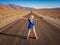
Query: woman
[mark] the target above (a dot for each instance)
(31, 26)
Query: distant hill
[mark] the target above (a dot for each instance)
(51, 9)
(13, 6)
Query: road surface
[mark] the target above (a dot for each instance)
(16, 34)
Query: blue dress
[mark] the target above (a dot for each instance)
(31, 24)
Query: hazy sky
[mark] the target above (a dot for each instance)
(34, 3)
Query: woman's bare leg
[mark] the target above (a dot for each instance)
(35, 33)
(28, 33)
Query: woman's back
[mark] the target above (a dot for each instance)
(31, 22)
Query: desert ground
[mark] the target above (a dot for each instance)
(51, 13)
(14, 31)
(9, 15)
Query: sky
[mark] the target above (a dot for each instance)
(34, 3)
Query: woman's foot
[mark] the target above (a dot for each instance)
(27, 38)
(36, 37)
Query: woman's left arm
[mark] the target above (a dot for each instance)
(23, 18)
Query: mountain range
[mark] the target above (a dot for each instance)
(13, 6)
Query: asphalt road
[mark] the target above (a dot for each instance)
(16, 34)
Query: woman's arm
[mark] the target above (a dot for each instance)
(23, 18)
(35, 19)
